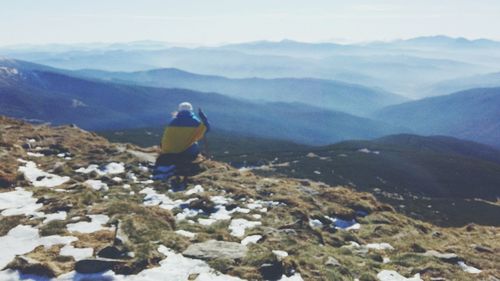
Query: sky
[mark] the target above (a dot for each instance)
(209, 22)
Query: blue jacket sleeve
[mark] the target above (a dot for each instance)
(204, 119)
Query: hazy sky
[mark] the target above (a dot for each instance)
(218, 21)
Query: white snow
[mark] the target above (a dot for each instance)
(89, 169)
(61, 215)
(19, 202)
(366, 150)
(468, 268)
(114, 168)
(280, 254)
(380, 246)
(257, 216)
(153, 198)
(23, 239)
(220, 200)
(40, 178)
(196, 189)
(314, 223)
(88, 227)
(34, 154)
(187, 213)
(96, 185)
(252, 239)
(8, 70)
(391, 275)
(117, 179)
(185, 233)
(206, 222)
(76, 253)
(110, 169)
(238, 226)
(174, 267)
(223, 214)
(344, 224)
(295, 277)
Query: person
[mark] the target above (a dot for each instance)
(179, 144)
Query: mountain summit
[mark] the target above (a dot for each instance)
(76, 207)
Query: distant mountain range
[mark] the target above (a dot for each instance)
(473, 114)
(405, 67)
(488, 80)
(36, 92)
(333, 95)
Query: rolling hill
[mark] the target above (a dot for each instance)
(489, 80)
(471, 114)
(58, 98)
(329, 94)
(410, 172)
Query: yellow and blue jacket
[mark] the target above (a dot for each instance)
(183, 133)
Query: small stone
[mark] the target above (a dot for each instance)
(483, 249)
(213, 249)
(112, 252)
(332, 262)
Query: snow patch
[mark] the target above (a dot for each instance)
(314, 223)
(185, 233)
(295, 277)
(197, 189)
(366, 150)
(96, 224)
(23, 239)
(76, 253)
(61, 215)
(96, 185)
(19, 202)
(34, 154)
(280, 255)
(206, 222)
(174, 267)
(40, 178)
(238, 226)
(110, 169)
(344, 224)
(153, 198)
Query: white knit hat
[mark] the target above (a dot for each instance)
(185, 106)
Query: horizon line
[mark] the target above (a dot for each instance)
(339, 41)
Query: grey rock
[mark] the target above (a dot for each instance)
(95, 265)
(483, 249)
(332, 262)
(213, 249)
(447, 257)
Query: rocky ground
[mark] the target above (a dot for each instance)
(76, 207)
